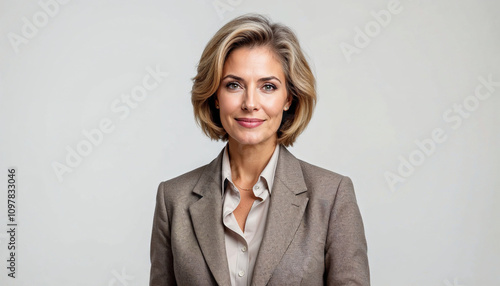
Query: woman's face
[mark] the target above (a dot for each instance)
(252, 96)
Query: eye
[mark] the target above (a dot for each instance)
(269, 87)
(232, 85)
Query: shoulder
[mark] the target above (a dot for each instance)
(182, 187)
(298, 174)
(316, 172)
(324, 184)
(318, 175)
(325, 187)
(186, 180)
(179, 190)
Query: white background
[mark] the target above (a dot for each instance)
(437, 225)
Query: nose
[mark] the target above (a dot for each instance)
(250, 100)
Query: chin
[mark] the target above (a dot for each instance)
(251, 140)
(248, 142)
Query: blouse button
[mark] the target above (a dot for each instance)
(241, 273)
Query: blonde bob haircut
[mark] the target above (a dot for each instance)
(253, 30)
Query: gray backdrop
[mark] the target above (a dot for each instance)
(95, 111)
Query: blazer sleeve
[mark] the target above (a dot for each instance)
(346, 259)
(162, 270)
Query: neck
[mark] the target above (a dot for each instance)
(248, 161)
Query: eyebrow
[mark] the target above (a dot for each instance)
(261, 79)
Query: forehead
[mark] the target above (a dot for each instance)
(253, 61)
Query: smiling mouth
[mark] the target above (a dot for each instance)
(249, 119)
(249, 122)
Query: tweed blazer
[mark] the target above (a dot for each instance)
(314, 233)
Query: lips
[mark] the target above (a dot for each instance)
(249, 122)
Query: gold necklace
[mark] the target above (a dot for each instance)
(242, 188)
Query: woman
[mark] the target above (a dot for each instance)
(256, 215)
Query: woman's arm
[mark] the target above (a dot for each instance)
(162, 270)
(346, 258)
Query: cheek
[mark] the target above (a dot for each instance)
(279, 117)
(227, 109)
(276, 118)
(227, 102)
(276, 110)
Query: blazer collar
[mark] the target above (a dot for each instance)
(206, 216)
(286, 209)
(288, 203)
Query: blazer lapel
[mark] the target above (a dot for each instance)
(206, 216)
(288, 203)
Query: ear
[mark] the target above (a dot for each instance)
(288, 103)
(216, 102)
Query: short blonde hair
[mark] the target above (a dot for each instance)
(249, 31)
